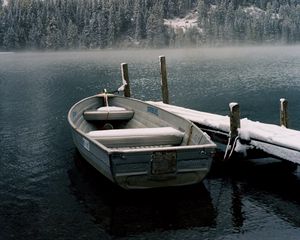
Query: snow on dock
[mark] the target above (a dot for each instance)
(217, 122)
(275, 140)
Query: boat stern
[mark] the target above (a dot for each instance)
(156, 169)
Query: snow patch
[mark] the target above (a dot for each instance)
(111, 109)
(258, 12)
(282, 100)
(232, 105)
(254, 11)
(241, 148)
(189, 21)
(244, 134)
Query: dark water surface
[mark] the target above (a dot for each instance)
(47, 191)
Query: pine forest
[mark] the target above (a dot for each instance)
(99, 24)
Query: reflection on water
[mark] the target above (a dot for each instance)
(237, 207)
(264, 195)
(48, 192)
(275, 186)
(245, 199)
(124, 213)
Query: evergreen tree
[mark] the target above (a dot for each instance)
(1, 24)
(268, 33)
(72, 35)
(34, 37)
(229, 23)
(126, 16)
(85, 36)
(103, 25)
(92, 30)
(111, 37)
(171, 9)
(240, 24)
(138, 21)
(53, 35)
(155, 26)
(10, 40)
(202, 9)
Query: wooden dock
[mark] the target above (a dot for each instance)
(276, 141)
(231, 133)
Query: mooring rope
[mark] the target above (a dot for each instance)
(118, 90)
(233, 145)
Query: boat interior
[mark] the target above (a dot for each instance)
(117, 124)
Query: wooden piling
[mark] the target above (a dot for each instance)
(125, 78)
(164, 80)
(235, 122)
(283, 112)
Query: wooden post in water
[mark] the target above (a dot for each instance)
(125, 78)
(283, 112)
(164, 80)
(235, 121)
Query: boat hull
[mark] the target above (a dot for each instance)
(133, 171)
(141, 167)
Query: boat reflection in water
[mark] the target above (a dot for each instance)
(132, 212)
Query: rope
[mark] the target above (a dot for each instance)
(111, 92)
(228, 148)
(233, 146)
(105, 98)
(118, 90)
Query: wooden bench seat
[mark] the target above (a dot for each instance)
(108, 113)
(138, 137)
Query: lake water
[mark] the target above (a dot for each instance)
(47, 191)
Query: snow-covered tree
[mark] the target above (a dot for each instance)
(72, 35)
(10, 39)
(53, 35)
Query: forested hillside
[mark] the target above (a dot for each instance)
(92, 24)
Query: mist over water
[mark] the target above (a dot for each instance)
(47, 191)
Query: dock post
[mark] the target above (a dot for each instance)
(164, 80)
(125, 78)
(235, 122)
(283, 112)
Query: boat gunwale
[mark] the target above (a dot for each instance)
(110, 151)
